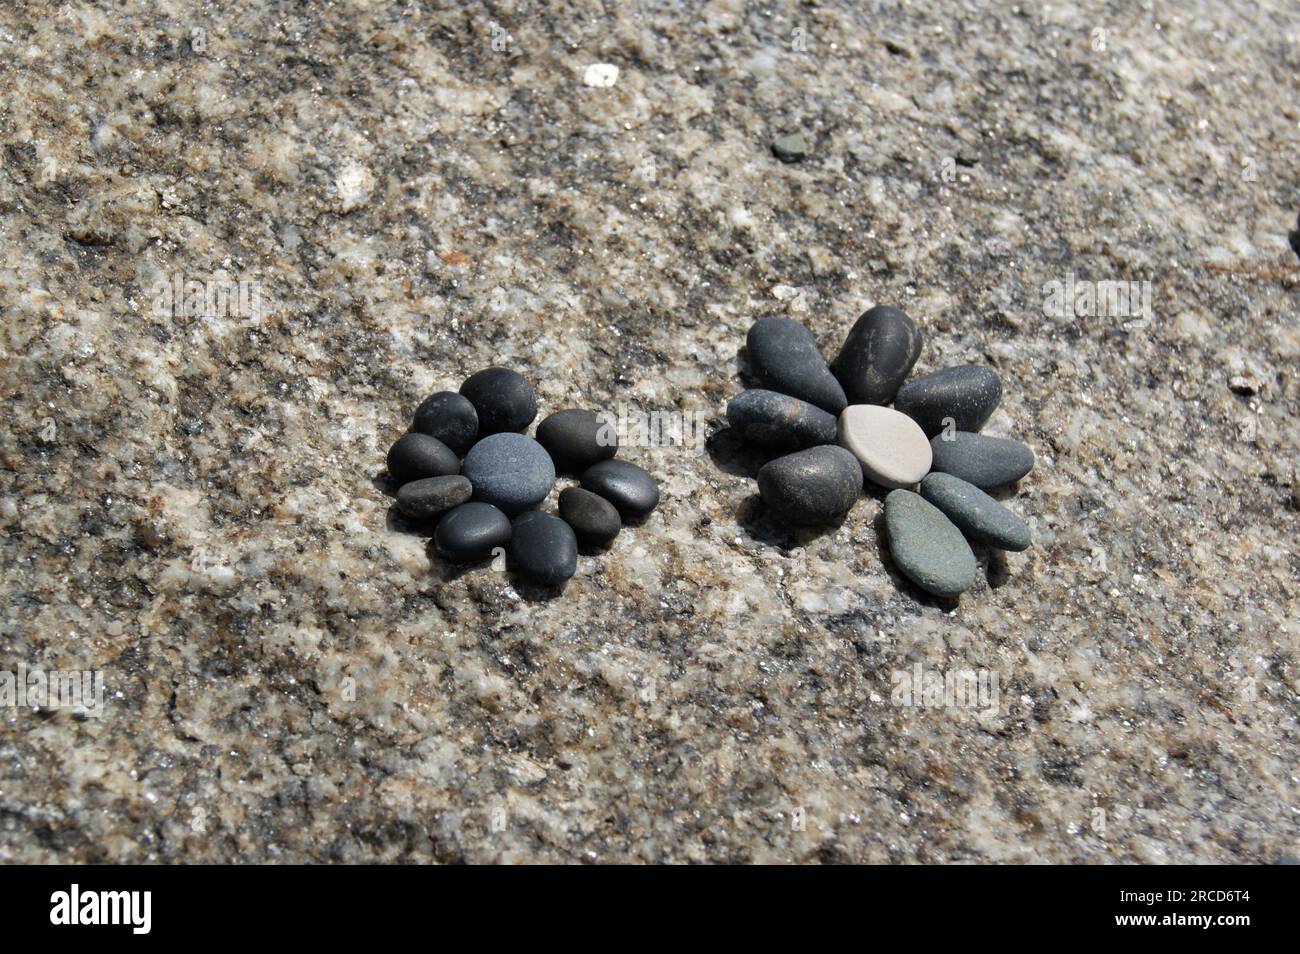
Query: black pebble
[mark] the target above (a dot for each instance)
(593, 518)
(981, 460)
(503, 399)
(543, 547)
(968, 394)
(414, 456)
(780, 421)
(471, 531)
(430, 496)
(576, 439)
(813, 486)
(877, 355)
(450, 417)
(625, 485)
(783, 355)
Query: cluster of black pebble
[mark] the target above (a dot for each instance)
(467, 463)
(831, 423)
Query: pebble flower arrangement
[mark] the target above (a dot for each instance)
(467, 464)
(835, 423)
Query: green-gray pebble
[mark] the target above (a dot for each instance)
(975, 513)
(926, 546)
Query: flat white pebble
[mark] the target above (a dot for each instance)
(890, 446)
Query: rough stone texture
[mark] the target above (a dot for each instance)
(187, 503)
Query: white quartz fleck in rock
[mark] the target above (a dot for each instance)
(600, 75)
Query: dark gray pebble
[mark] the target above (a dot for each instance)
(576, 439)
(926, 546)
(503, 400)
(450, 417)
(968, 394)
(629, 488)
(975, 513)
(471, 531)
(414, 456)
(877, 356)
(593, 518)
(784, 357)
(980, 459)
(780, 421)
(543, 548)
(509, 471)
(430, 496)
(813, 486)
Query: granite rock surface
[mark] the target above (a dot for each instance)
(240, 243)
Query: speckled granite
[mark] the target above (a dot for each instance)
(190, 502)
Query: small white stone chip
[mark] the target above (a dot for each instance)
(601, 75)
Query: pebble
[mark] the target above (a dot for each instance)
(790, 148)
(450, 417)
(471, 531)
(593, 518)
(543, 548)
(812, 486)
(414, 456)
(629, 488)
(510, 471)
(503, 400)
(430, 496)
(925, 545)
(968, 394)
(982, 460)
(877, 355)
(975, 513)
(576, 439)
(784, 357)
(891, 447)
(777, 420)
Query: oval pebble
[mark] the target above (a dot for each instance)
(503, 400)
(414, 456)
(471, 531)
(449, 417)
(890, 446)
(783, 355)
(980, 459)
(510, 471)
(975, 513)
(780, 421)
(576, 439)
(593, 518)
(813, 486)
(543, 547)
(430, 496)
(926, 546)
(968, 394)
(877, 355)
(629, 488)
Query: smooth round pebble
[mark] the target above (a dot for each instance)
(780, 421)
(784, 357)
(975, 513)
(629, 488)
(877, 355)
(449, 417)
(503, 400)
(430, 496)
(790, 148)
(813, 486)
(980, 459)
(926, 546)
(414, 456)
(576, 439)
(471, 531)
(890, 446)
(968, 394)
(509, 471)
(543, 547)
(593, 518)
